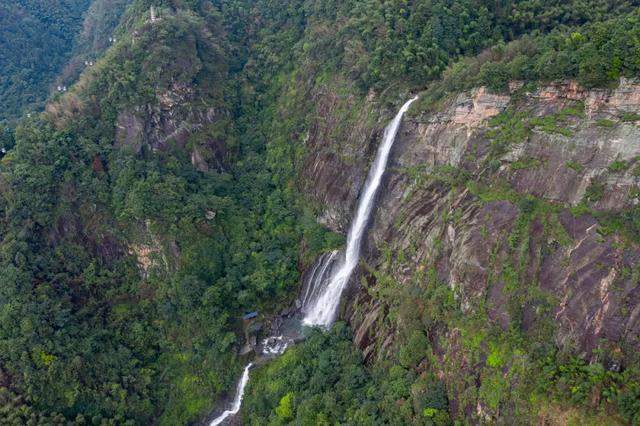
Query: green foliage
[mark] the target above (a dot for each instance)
(36, 39)
(495, 359)
(414, 350)
(284, 410)
(507, 128)
(596, 54)
(123, 342)
(625, 223)
(605, 123)
(595, 191)
(618, 166)
(526, 163)
(7, 140)
(114, 255)
(579, 381)
(574, 165)
(324, 373)
(323, 381)
(553, 123)
(630, 117)
(628, 400)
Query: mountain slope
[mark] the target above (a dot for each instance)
(35, 40)
(498, 281)
(198, 168)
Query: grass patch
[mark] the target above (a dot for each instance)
(595, 191)
(526, 163)
(625, 223)
(618, 166)
(605, 123)
(553, 123)
(508, 127)
(630, 117)
(580, 209)
(574, 165)
(573, 111)
(550, 124)
(495, 192)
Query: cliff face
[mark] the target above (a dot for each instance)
(172, 120)
(341, 139)
(522, 207)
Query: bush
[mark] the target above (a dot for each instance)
(595, 191)
(284, 410)
(618, 166)
(573, 165)
(414, 350)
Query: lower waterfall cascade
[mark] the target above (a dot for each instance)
(237, 402)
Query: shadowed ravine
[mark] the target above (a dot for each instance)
(330, 274)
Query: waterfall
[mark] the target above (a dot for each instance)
(237, 401)
(321, 269)
(330, 275)
(329, 279)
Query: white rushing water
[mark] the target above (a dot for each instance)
(331, 273)
(322, 268)
(321, 310)
(237, 401)
(276, 345)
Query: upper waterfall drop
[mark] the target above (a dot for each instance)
(329, 285)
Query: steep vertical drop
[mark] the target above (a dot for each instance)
(321, 310)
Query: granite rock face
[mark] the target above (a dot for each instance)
(170, 121)
(337, 159)
(575, 152)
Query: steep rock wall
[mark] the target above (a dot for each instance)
(505, 200)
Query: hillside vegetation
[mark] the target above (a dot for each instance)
(162, 197)
(36, 39)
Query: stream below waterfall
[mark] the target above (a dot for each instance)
(323, 288)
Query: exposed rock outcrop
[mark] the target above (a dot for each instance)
(171, 122)
(559, 147)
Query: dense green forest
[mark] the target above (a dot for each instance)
(36, 39)
(102, 345)
(126, 264)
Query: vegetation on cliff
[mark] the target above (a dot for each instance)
(84, 216)
(518, 372)
(160, 198)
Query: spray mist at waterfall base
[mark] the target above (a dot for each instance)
(329, 276)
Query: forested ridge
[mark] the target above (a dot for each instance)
(150, 206)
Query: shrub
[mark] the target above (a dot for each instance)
(284, 410)
(630, 117)
(574, 165)
(618, 166)
(605, 123)
(595, 191)
(414, 350)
